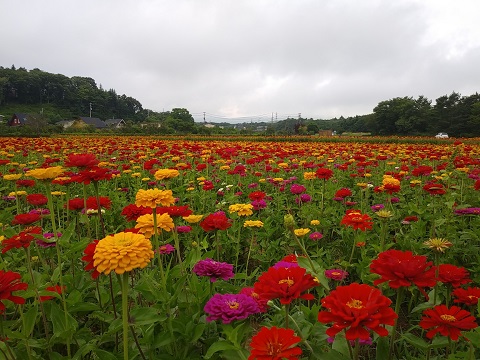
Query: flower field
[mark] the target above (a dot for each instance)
(151, 248)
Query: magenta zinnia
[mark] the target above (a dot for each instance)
(230, 307)
(213, 269)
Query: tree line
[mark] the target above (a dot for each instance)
(67, 98)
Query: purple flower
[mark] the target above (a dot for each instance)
(40, 211)
(213, 269)
(183, 229)
(49, 242)
(336, 274)
(166, 249)
(394, 200)
(284, 264)
(252, 185)
(258, 204)
(230, 307)
(315, 236)
(468, 211)
(297, 189)
(377, 207)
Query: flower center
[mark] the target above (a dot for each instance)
(472, 297)
(287, 281)
(448, 318)
(233, 304)
(274, 348)
(355, 304)
(336, 273)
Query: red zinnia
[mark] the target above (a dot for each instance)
(88, 258)
(454, 275)
(286, 284)
(174, 211)
(447, 322)
(37, 199)
(422, 170)
(25, 219)
(92, 202)
(9, 282)
(257, 195)
(275, 344)
(25, 183)
(434, 189)
(357, 220)
(343, 193)
(57, 289)
(467, 296)
(23, 239)
(92, 174)
(81, 160)
(402, 268)
(357, 308)
(132, 212)
(476, 186)
(323, 173)
(216, 221)
(75, 204)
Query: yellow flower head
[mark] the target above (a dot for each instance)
(241, 209)
(384, 214)
(253, 223)
(45, 173)
(12, 177)
(438, 244)
(314, 222)
(18, 193)
(146, 226)
(154, 197)
(388, 179)
(310, 175)
(122, 252)
(166, 174)
(192, 219)
(301, 232)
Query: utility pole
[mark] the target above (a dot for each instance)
(90, 109)
(204, 118)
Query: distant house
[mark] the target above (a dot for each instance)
(115, 123)
(65, 123)
(95, 122)
(18, 119)
(326, 133)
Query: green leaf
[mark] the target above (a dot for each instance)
(197, 332)
(145, 316)
(419, 343)
(30, 318)
(63, 325)
(104, 355)
(383, 350)
(219, 346)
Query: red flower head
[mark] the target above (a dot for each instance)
(56, 289)
(285, 283)
(357, 220)
(25, 183)
(257, 195)
(454, 275)
(75, 204)
(175, 211)
(81, 160)
(9, 282)
(343, 193)
(434, 189)
(447, 322)
(402, 268)
(357, 308)
(88, 258)
(216, 221)
(422, 170)
(467, 296)
(105, 202)
(25, 219)
(476, 186)
(132, 212)
(37, 199)
(23, 239)
(92, 174)
(323, 173)
(275, 344)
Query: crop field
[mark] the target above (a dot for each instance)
(239, 248)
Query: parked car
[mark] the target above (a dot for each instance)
(441, 135)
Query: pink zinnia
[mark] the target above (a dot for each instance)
(213, 269)
(230, 307)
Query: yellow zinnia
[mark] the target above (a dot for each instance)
(45, 173)
(241, 209)
(192, 219)
(301, 232)
(146, 226)
(11, 177)
(154, 197)
(122, 252)
(162, 174)
(253, 223)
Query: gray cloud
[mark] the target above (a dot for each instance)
(238, 58)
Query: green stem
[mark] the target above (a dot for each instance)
(155, 236)
(394, 329)
(248, 256)
(59, 258)
(27, 345)
(124, 284)
(177, 248)
(356, 350)
(287, 315)
(353, 248)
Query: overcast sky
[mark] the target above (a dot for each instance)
(252, 58)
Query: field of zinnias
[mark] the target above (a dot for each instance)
(143, 248)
